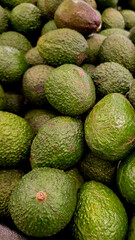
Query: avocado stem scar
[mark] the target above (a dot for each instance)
(41, 196)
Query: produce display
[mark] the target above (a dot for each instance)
(67, 119)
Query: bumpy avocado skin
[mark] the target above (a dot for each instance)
(8, 180)
(112, 18)
(12, 64)
(125, 178)
(110, 127)
(4, 20)
(59, 143)
(62, 46)
(15, 139)
(73, 89)
(16, 40)
(33, 57)
(13, 3)
(43, 218)
(129, 18)
(99, 214)
(120, 49)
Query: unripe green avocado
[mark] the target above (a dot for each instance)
(4, 20)
(43, 202)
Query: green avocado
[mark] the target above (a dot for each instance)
(33, 57)
(43, 202)
(62, 46)
(131, 229)
(75, 174)
(13, 3)
(49, 26)
(131, 93)
(129, 18)
(99, 214)
(112, 18)
(14, 103)
(4, 20)
(59, 143)
(2, 99)
(132, 34)
(109, 31)
(15, 139)
(110, 127)
(102, 4)
(8, 180)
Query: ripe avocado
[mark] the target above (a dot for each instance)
(112, 18)
(126, 178)
(43, 202)
(12, 64)
(4, 20)
(68, 15)
(62, 46)
(111, 77)
(2, 98)
(99, 214)
(70, 90)
(110, 127)
(8, 180)
(120, 49)
(16, 40)
(59, 143)
(15, 139)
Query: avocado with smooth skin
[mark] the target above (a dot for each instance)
(68, 15)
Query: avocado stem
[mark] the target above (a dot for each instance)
(41, 196)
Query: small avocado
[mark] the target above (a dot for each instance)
(50, 25)
(68, 15)
(129, 18)
(33, 57)
(112, 18)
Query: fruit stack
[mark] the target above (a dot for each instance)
(67, 119)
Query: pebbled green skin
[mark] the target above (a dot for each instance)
(59, 143)
(2, 98)
(111, 77)
(76, 176)
(110, 127)
(13, 3)
(99, 214)
(120, 49)
(12, 64)
(112, 18)
(95, 168)
(126, 178)
(70, 90)
(94, 43)
(33, 84)
(132, 34)
(8, 180)
(129, 18)
(16, 40)
(131, 229)
(4, 20)
(62, 46)
(33, 58)
(49, 26)
(26, 18)
(42, 219)
(37, 117)
(109, 31)
(15, 139)
(131, 93)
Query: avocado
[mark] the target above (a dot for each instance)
(94, 168)
(2, 99)
(70, 90)
(112, 18)
(15, 40)
(120, 49)
(131, 229)
(62, 46)
(68, 15)
(75, 174)
(4, 20)
(110, 127)
(132, 34)
(92, 3)
(43, 202)
(111, 77)
(94, 42)
(15, 139)
(102, 4)
(37, 117)
(26, 18)
(13, 3)
(99, 214)
(49, 26)
(12, 64)
(8, 180)
(33, 84)
(131, 93)
(109, 31)
(89, 68)
(59, 143)
(33, 57)
(7, 233)
(126, 179)
(48, 7)
(14, 103)
(129, 18)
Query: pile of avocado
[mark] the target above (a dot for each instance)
(67, 119)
